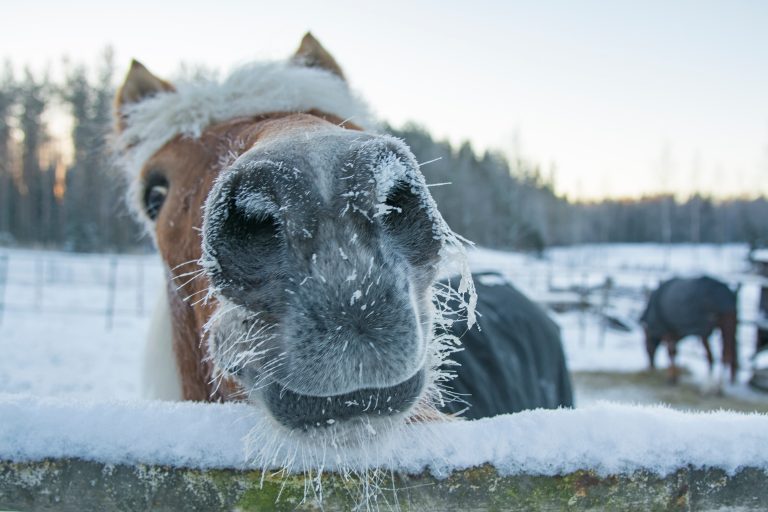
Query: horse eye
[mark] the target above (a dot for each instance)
(155, 192)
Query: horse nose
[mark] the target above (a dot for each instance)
(258, 202)
(240, 233)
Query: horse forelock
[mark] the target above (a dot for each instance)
(251, 90)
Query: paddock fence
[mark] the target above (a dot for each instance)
(119, 285)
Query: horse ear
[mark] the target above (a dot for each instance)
(312, 54)
(139, 84)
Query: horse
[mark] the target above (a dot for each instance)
(301, 249)
(513, 359)
(682, 307)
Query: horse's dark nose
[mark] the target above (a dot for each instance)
(329, 255)
(243, 234)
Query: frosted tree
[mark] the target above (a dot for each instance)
(81, 229)
(32, 102)
(8, 93)
(96, 216)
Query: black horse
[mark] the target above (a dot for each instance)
(691, 307)
(513, 361)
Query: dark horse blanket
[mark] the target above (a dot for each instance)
(513, 361)
(691, 307)
(687, 307)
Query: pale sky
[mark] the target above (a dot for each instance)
(623, 98)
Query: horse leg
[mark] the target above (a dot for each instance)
(715, 382)
(673, 373)
(727, 324)
(710, 359)
(650, 347)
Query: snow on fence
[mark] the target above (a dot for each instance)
(70, 455)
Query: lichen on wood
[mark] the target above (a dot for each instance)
(72, 484)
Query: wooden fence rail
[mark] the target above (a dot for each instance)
(75, 485)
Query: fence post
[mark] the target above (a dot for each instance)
(140, 287)
(605, 302)
(4, 261)
(111, 291)
(583, 306)
(39, 271)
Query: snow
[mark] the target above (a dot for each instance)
(606, 438)
(760, 255)
(69, 383)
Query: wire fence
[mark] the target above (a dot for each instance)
(52, 283)
(112, 286)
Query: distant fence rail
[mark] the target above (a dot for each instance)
(39, 282)
(111, 285)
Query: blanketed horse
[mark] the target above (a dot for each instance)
(691, 307)
(301, 248)
(513, 358)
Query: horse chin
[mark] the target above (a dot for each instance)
(301, 412)
(364, 413)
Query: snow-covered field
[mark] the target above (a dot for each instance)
(72, 329)
(73, 325)
(55, 332)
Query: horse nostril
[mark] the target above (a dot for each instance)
(252, 227)
(241, 233)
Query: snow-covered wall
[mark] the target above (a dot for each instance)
(606, 438)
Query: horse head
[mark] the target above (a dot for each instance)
(301, 247)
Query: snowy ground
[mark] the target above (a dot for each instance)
(55, 332)
(73, 325)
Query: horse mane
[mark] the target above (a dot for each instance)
(250, 90)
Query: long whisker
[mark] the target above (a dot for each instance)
(422, 164)
(185, 283)
(185, 263)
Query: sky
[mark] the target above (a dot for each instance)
(614, 98)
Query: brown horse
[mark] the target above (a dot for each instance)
(301, 248)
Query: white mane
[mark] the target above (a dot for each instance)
(254, 89)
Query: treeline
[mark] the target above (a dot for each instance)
(66, 193)
(45, 202)
(662, 219)
(512, 205)
(488, 199)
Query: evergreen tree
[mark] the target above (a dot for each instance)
(8, 200)
(33, 96)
